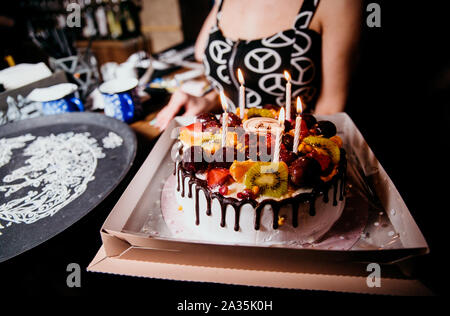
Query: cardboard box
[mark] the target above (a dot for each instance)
(128, 250)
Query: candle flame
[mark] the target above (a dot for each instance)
(287, 76)
(223, 101)
(240, 77)
(281, 117)
(299, 105)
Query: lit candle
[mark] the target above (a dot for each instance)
(241, 94)
(224, 102)
(276, 154)
(288, 95)
(298, 125)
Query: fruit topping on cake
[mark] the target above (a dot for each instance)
(239, 168)
(304, 171)
(217, 177)
(324, 128)
(245, 167)
(256, 112)
(324, 146)
(271, 178)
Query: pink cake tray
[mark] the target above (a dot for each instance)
(376, 227)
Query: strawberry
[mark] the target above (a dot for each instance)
(217, 177)
(194, 127)
(323, 159)
(304, 131)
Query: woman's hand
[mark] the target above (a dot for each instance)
(192, 105)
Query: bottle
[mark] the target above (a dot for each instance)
(128, 23)
(112, 16)
(89, 29)
(134, 14)
(100, 17)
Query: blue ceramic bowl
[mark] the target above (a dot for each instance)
(69, 103)
(57, 99)
(121, 100)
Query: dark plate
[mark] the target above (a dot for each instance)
(15, 237)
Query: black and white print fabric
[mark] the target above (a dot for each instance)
(263, 62)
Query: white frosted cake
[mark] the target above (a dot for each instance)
(238, 193)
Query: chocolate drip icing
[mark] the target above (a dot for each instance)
(190, 183)
(325, 196)
(295, 202)
(197, 208)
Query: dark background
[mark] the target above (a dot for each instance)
(399, 100)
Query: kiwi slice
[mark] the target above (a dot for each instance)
(270, 177)
(328, 145)
(257, 112)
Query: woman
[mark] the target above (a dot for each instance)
(316, 45)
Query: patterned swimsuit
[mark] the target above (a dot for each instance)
(263, 62)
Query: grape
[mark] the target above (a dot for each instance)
(288, 125)
(211, 126)
(304, 171)
(233, 120)
(309, 119)
(287, 156)
(288, 141)
(325, 128)
(206, 117)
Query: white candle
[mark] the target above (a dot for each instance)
(224, 102)
(276, 154)
(241, 94)
(298, 125)
(288, 95)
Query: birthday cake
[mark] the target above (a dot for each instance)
(262, 180)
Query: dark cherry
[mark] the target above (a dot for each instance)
(304, 171)
(287, 156)
(206, 118)
(224, 157)
(193, 159)
(309, 119)
(325, 128)
(211, 126)
(288, 141)
(233, 120)
(288, 125)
